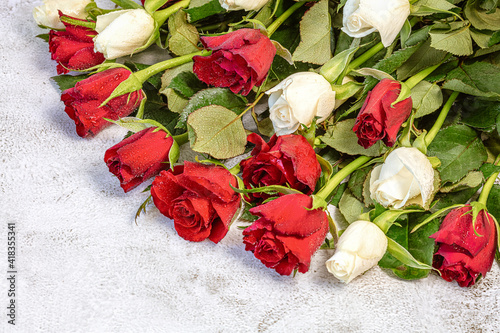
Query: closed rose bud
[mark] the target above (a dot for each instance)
(362, 17)
(199, 199)
(405, 178)
(122, 32)
(139, 157)
(83, 101)
(48, 13)
(288, 160)
(378, 119)
(466, 249)
(358, 249)
(298, 99)
(287, 233)
(242, 4)
(240, 60)
(73, 48)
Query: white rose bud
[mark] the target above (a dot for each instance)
(362, 17)
(359, 248)
(406, 177)
(298, 99)
(122, 32)
(242, 4)
(48, 15)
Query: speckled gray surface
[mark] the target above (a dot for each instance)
(84, 266)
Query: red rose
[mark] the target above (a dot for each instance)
(287, 159)
(139, 157)
(241, 60)
(84, 99)
(199, 200)
(378, 120)
(73, 48)
(287, 234)
(463, 255)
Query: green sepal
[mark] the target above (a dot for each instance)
(337, 65)
(318, 203)
(283, 52)
(477, 207)
(142, 207)
(434, 216)
(402, 254)
(72, 21)
(326, 166)
(404, 94)
(131, 84)
(272, 189)
(419, 143)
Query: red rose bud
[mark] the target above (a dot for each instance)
(198, 198)
(287, 159)
(83, 101)
(462, 254)
(287, 234)
(241, 60)
(73, 48)
(139, 157)
(378, 120)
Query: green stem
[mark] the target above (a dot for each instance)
(339, 176)
(440, 120)
(161, 16)
(279, 21)
(415, 79)
(365, 56)
(181, 139)
(485, 192)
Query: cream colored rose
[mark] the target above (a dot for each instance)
(406, 177)
(48, 15)
(362, 17)
(298, 99)
(358, 249)
(242, 4)
(122, 32)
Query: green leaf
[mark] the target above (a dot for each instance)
(429, 7)
(184, 37)
(479, 113)
(480, 18)
(186, 84)
(471, 180)
(176, 103)
(477, 79)
(356, 182)
(200, 9)
(426, 56)
(45, 37)
(493, 203)
(68, 81)
(127, 4)
(217, 131)
(456, 41)
(459, 149)
(488, 169)
(443, 200)
(426, 97)
(315, 37)
(351, 207)
(342, 138)
(212, 96)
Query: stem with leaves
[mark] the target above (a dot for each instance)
(485, 192)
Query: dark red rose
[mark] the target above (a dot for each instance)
(199, 200)
(378, 120)
(84, 99)
(73, 48)
(240, 60)
(463, 255)
(287, 159)
(287, 234)
(139, 157)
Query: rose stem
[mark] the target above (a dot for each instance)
(485, 192)
(440, 120)
(181, 139)
(339, 176)
(161, 16)
(415, 79)
(276, 24)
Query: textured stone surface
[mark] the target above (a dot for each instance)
(85, 266)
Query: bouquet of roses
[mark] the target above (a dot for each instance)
(371, 127)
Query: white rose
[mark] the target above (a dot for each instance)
(48, 15)
(360, 247)
(298, 99)
(120, 33)
(406, 177)
(362, 17)
(242, 4)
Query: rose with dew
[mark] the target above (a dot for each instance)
(287, 233)
(73, 48)
(122, 32)
(48, 13)
(466, 248)
(287, 160)
(405, 178)
(358, 249)
(240, 60)
(298, 99)
(362, 17)
(199, 199)
(84, 101)
(378, 119)
(243, 4)
(139, 157)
